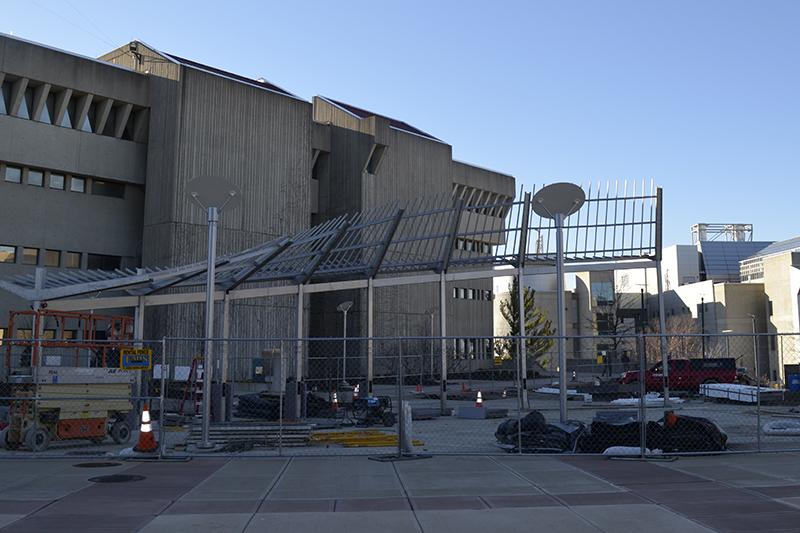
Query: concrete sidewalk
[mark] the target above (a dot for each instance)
(442, 494)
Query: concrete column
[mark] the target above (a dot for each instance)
(662, 326)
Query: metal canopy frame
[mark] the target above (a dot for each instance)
(615, 229)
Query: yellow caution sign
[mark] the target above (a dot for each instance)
(135, 359)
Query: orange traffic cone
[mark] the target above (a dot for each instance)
(335, 402)
(479, 400)
(147, 441)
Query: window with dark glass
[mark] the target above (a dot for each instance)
(13, 174)
(8, 253)
(52, 258)
(605, 323)
(103, 262)
(5, 96)
(108, 188)
(48, 109)
(30, 256)
(57, 181)
(603, 292)
(72, 259)
(77, 184)
(24, 110)
(375, 158)
(69, 115)
(89, 119)
(35, 178)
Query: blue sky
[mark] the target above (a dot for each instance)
(701, 96)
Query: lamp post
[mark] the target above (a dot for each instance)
(557, 202)
(432, 313)
(703, 325)
(213, 195)
(344, 307)
(758, 382)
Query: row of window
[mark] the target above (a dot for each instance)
(480, 348)
(59, 106)
(57, 258)
(470, 245)
(465, 293)
(60, 181)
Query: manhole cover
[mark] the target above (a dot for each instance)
(96, 465)
(116, 478)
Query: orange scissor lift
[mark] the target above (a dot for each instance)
(84, 396)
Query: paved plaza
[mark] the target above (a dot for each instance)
(450, 493)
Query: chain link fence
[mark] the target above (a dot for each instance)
(359, 396)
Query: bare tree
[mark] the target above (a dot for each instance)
(683, 338)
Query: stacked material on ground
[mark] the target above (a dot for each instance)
(735, 392)
(266, 435)
(651, 399)
(367, 438)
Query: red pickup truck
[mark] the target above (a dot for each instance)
(687, 374)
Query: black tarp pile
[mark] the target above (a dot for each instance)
(672, 434)
(535, 435)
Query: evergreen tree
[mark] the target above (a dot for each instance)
(537, 325)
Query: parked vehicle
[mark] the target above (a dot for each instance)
(687, 374)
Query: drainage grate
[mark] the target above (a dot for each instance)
(96, 465)
(116, 478)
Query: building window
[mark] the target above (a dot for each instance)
(35, 178)
(30, 256)
(8, 254)
(24, 110)
(605, 323)
(77, 184)
(47, 109)
(57, 181)
(13, 174)
(5, 95)
(69, 114)
(89, 119)
(375, 157)
(72, 259)
(107, 188)
(603, 292)
(52, 258)
(103, 262)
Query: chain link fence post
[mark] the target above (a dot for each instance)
(162, 399)
(640, 348)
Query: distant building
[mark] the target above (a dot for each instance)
(777, 269)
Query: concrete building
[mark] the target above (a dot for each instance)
(95, 155)
(776, 268)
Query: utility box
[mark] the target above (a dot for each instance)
(269, 369)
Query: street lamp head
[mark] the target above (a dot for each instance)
(344, 306)
(211, 191)
(558, 199)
